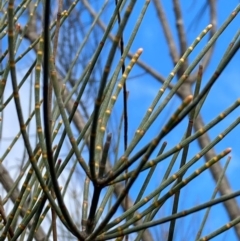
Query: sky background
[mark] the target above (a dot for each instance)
(143, 89)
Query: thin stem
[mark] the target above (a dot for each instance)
(46, 116)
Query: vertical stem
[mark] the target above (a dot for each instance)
(125, 112)
(46, 117)
(184, 154)
(55, 44)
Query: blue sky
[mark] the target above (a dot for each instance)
(143, 89)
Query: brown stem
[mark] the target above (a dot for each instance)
(216, 170)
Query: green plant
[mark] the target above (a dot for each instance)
(101, 215)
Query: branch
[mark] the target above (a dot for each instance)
(180, 28)
(118, 188)
(167, 31)
(213, 21)
(185, 90)
(8, 183)
(216, 170)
